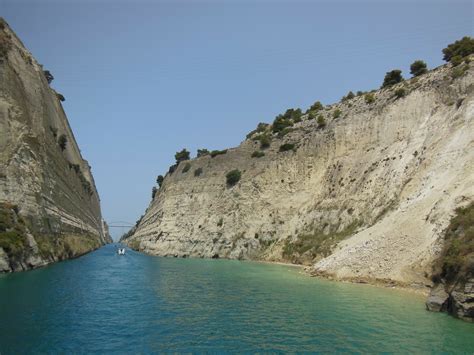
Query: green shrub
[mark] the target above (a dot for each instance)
(159, 180)
(284, 132)
(198, 172)
(399, 93)
(350, 95)
(321, 121)
(290, 117)
(202, 152)
(369, 98)
(12, 231)
(286, 147)
(233, 177)
(172, 168)
(418, 67)
(62, 141)
(360, 93)
(280, 123)
(220, 222)
(317, 106)
(60, 97)
(261, 127)
(311, 116)
(392, 77)
(186, 168)
(456, 262)
(459, 71)
(461, 48)
(215, 153)
(265, 140)
(181, 156)
(258, 154)
(336, 113)
(456, 60)
(49, 77)
(153, 192)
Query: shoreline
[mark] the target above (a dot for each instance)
(309, 272)
(386, 284)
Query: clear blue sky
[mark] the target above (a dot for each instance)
(143, 79)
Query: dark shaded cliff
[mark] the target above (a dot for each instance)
(49, 205)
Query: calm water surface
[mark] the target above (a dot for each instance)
(103, 302)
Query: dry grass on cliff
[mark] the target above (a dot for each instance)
(456, 262)
(311, 245)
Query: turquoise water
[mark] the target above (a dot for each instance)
(103, 302)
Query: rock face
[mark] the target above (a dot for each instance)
(365, 197)
(457, 300)
(49, 206)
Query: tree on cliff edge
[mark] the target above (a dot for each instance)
(181, 156)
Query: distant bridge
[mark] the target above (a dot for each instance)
(121, 224)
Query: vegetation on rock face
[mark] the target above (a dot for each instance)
(186, 168)
(460, 48)
(5, 40)
(284, 132)
(159, 180)
(261, 127)
(202, 152)
(286, 147)
(369, 98)
(350, 95)
(418, 67)
(12, 231)
(60, 97)
(399, 93)
(265, 140)
(49, 77)
(258, 154)
(317, 106)
(392, 77)
(309, 246)
(456, 262)
(459, 71)
(62, 141)
(198, 172)
(181, 156)
(153, 192)
(321, 121)
(288, 119)
(337, 113)
(215, 153)
(233, 177)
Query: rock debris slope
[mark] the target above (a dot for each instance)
(49, 206)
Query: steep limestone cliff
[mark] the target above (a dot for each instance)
(365, 197)
(49, 205)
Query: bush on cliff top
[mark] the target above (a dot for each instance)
(181, 156)
(392, 77)
(418, 67)
(460, 48)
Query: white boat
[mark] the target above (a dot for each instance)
(121, 251)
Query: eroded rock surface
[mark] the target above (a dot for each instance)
(49, 204)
